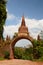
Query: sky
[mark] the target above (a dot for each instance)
(30, 8)
(32, 11)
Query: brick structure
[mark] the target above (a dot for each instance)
(23, 29)
(22, 34)
(38, 37)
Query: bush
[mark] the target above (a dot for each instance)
(23, 53)
(6, 54)
(27, 57)
(41, 58)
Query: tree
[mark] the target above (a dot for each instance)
(3, 15)
(15, 35)
(38, 48)
(36, 44)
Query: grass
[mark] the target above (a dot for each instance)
(39, 60)
(1, 58)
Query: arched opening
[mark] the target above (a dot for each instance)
(23, 43)
(21, 49)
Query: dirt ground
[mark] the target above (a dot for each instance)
(19, 62)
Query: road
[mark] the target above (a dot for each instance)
(19, 62)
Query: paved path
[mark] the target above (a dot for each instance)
(19, 62)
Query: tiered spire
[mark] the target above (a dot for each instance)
(23, 29)
(23, 21)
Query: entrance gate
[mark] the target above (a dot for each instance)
(22, 34)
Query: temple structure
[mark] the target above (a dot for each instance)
(22, 34)
(23, 30)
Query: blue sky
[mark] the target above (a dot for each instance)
(32, 11)
(29, 8)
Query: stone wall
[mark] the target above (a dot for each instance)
(4, 46)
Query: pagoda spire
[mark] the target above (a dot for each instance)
(23, 21)
(23, 28)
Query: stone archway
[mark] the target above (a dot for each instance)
(22, 34)
(14, 42)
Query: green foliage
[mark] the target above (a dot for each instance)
(3, 15)
(36, 43)
(6, 55)
(15, 34)
(29, 53)
(18, 53)
(38, 49)
(1, 58)
(29, 50)
(23, 53)
(32, 53)
(41, 59)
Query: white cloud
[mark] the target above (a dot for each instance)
(10, 30)
(6, 9)
(10, 16)
(34, 26)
